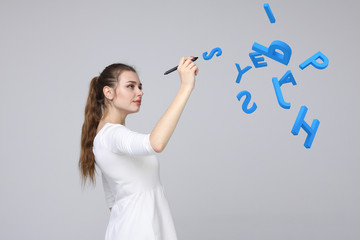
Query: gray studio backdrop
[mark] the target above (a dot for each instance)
(227, 174)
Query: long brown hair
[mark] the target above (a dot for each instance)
(95, 106)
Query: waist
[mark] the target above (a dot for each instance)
(159, 187)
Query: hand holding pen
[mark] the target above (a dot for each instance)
(187, 71)
(175, 68)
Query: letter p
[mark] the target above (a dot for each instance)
(316, 64)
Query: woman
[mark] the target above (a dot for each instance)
(139, 209)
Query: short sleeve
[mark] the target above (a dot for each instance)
(109, 196)
(122, 140)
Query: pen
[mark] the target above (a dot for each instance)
(174, 68)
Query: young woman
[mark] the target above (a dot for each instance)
(139, 209)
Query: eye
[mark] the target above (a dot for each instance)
(132, 85)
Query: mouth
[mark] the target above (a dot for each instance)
(138, 102)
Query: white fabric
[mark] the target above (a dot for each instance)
(132, 186)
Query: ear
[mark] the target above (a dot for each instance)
(108, 93)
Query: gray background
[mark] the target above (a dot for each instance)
(227, 174)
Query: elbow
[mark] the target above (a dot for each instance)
(158, 148)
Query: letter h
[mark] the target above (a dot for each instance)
(300, 123)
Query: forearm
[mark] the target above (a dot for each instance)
(165, 127)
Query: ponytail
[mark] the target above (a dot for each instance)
(93, 113)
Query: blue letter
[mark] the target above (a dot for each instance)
(312, 61)
(269, 12)
(241, 72)
(300, 123)
(279, 95)
(246, 102)
(287, 78)
(271, 51)
(257, 60)
(212, 53)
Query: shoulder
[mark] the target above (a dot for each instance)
(111, 129)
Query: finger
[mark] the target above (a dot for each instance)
(186, 58)
(188, 62)
(189, 58)
(182, 60)
(191, 65)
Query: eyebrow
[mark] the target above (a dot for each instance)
(134, 82)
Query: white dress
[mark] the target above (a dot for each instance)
(131, 180)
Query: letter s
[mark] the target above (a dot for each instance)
(212, 53)
(246, 102)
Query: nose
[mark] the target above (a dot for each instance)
(140, 93)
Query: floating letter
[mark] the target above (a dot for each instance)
(218, 50)
(241, 72)
(312, 61)
(300, 123)
(269, 12)
(272, 53)
(246, 102)
(256, 61)
(287, 78)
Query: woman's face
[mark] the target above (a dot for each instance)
(128, 90)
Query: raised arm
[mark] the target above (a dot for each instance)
(165, 127)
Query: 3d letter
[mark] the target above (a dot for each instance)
(287, 78)
(269, 12)
(272, 53)
(257, 60)
(246, 102)
(279, 94)
(241, 72)
(300, 123)
(312, 61)
(218, 50)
